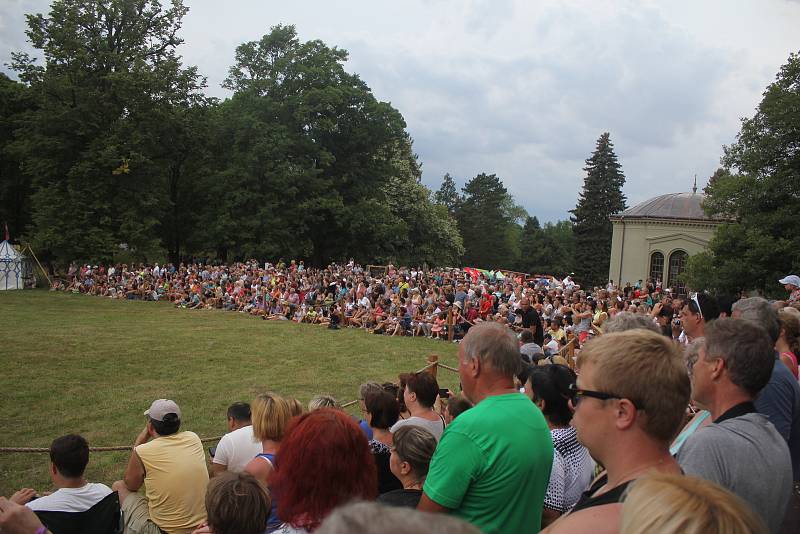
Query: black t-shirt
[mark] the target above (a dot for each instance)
(613, 495)
(530, 319)
(386, 479)
(408, 498)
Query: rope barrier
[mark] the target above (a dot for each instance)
(204, 440)
(91, 449)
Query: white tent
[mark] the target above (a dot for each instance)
(12, 266)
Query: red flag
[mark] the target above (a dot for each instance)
(7, 236)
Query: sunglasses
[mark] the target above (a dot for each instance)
(694, 303)
(578, 394)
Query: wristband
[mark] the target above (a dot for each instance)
(41, 530)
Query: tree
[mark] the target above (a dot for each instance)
(600, 198)
(758, 196)
(98, 145)
(486, 220)
(15, 186)
(447, 195)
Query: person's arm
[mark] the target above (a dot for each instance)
(217, 469)
(426, 504)
(18, 519)
(134, 473)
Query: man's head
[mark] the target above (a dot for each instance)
(69, 455)
(737, 358)
(624, 321)
(489, 352)
(526, 337)
(238, 415)
(697, 312)
(791, 282)
(758, 311)
(632, 389)
(164, 416)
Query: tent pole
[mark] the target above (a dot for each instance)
(28, 248)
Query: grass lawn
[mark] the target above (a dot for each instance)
(89, 365)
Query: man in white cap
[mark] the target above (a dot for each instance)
(792, 285)
(172, 466)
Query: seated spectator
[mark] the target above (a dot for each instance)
(630, 399)
(236, 503)
(236, 448)
(382, 413)
(69, 456)
(172, 466)
(372, 518)
(672, 504)
(550, 388)
(528, 348)
(740, 450)
(271, 415)
(325, 462)
(411, 457)
(323, 401)
(419, 396)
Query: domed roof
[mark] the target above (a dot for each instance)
(672, 206)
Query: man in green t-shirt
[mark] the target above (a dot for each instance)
(492, 465)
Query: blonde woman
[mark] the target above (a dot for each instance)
(675, 504)
(270, 415)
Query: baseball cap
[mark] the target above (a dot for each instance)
(792, 279)
(162, 407)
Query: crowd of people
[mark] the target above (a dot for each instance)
(677, 414)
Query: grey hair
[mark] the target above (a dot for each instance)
(367, 388)
(759, 311)
(415, 445)
(373, 518)
(746, 349)
(493, 344)
(323, 401)
(624, 321)
(693, 351)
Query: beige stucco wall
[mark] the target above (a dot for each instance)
(634, 240)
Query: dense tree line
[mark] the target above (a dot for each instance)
(111, 151)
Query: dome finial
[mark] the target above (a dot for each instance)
(694, 188)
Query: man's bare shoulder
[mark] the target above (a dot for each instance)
(596, 520)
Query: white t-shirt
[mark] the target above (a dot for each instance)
(236, 449)
(71, 499)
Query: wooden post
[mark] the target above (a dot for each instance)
(571, 353)
(450, 329)
(433, 359)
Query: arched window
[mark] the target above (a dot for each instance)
(677, 264)
(657, 267)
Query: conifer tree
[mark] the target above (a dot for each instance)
(601, 197)
(447, 195)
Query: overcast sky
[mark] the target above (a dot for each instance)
(523, 89)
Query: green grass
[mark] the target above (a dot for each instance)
(89, 365)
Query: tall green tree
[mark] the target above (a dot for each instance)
(97, 145)
(447, 194)
(600, 198)
(758, 194)
(487, 222)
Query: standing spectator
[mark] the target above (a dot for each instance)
(788, 343)
(532, 321)
(698, 311)
(630, 399)
(172, 466)
(741, 450)
(792, 285)
(238, 446)
(382, 413)
(410, 460)
(493, 463)
(419, 396)
(325, 462)
(550, 388)
(780, 398)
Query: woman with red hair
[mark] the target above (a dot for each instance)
(324, 462)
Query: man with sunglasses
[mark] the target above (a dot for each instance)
(630, 399)
(698, 311)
